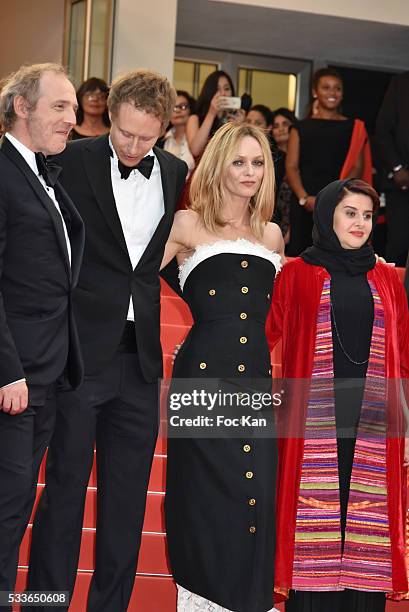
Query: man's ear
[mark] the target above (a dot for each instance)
(21, 107)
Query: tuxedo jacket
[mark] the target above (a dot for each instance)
(38, 337)
(107, 279)
(392, 124)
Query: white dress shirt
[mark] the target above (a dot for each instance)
(30, 158)
(140, 206)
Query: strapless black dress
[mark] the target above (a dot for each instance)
(221, 491)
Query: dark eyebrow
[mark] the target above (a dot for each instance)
(354, 208)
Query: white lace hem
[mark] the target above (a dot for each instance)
(189, 602)
(241, 246)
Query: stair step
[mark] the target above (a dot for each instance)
(152, 555)
(150, 593)
(154, 517)
(157, 477)
(175, 311)
(171, 335)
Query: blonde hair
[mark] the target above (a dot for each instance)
(146, 91)
(207, 193)
(24, 82)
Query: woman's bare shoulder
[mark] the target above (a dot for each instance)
(186, 218)
(273, 238)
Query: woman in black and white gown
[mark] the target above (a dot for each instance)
(220, 490)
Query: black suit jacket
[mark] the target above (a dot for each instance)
(392, 125)
(38, 338)
(107, 279)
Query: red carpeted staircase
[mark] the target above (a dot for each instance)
(154, 589)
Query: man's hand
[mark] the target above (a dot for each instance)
(14, 398)
(401, 178)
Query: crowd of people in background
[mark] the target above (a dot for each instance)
(308, 152)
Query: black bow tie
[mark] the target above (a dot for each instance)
(49, 170)
(145, 167)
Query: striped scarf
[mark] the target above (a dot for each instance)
(365, 562)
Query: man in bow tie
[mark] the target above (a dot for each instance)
(126, 190)
(41, 244)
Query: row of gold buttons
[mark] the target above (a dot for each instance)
(243, 340)
(249, 475)
(244, 290)
(241, 367)
(243, 315)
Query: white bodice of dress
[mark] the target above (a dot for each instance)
(241, 246)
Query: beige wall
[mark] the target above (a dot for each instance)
(31, 31)
(144, 36)
(386, 11)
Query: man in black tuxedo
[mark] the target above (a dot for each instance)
(41, 243)
(126, 190)
(392, 140)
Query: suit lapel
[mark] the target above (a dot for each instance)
(76, 232)
(168, 177)
(97, 164)
(12, 153)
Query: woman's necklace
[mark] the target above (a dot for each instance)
(340, 342)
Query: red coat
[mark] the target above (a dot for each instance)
(293, 318)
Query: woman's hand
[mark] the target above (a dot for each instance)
(216, 105)
(175, 352)
(382, 260)
(310, 203)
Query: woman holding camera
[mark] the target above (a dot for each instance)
(212, 111)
